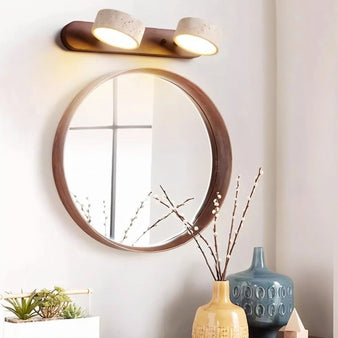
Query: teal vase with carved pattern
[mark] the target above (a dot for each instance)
(266, 297)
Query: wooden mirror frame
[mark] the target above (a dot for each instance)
(220, 147)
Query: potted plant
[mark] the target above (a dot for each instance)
(48, 313)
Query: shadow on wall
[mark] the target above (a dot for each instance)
(180, 312)
(58, 42)
(46, 173)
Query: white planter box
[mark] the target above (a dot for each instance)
(62, 328)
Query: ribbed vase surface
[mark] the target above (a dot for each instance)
(220, 318)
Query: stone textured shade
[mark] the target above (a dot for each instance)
(197, 36)
(118, 29)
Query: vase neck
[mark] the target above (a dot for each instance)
(258, 260)
(220, 292)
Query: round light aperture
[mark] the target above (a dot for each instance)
(197, 36)
(115, 38)
(195, 44)
(118, 29)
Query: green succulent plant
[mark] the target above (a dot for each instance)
(73, 311)
(23, 308)
(51, 303)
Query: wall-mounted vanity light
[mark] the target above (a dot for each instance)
(118, 32)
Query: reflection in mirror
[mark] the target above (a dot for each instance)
(131, 134)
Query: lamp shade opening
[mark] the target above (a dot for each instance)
(195, 44)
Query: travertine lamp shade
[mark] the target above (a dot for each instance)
(118, 29)
(197, 36)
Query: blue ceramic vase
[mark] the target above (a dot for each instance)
(265, 296)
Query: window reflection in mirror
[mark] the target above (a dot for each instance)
(127, 137)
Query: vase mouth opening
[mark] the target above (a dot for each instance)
(221, 291)
(258, 259)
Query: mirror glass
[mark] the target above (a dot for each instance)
(130, 135)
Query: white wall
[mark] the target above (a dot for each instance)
(141, 295)
(335, 282)
(307, 123)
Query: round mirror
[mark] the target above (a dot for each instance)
(124, 140)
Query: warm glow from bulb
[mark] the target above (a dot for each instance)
(195, 44)
(115, 38)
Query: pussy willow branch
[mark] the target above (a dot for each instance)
(188, 224)
(215, 213)
(85, 212)
(105, 217)
(233, 214)
(191, 232)
(134, 217)
(260, 172)
(161, 219)
(207, 244)
(151, 227)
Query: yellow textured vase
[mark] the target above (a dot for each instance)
(220, 318)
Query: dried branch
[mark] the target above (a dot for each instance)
(85, 209)
(190, 226)
(206, 243)
(191, 231)
(233, 214)
(260, 172)
(132, 220)
(161, 219)
(215, 213)
(105, 217)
